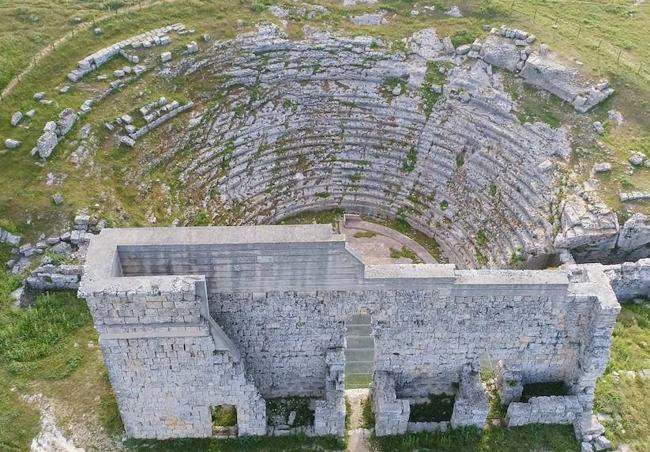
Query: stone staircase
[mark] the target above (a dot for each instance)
(359, 352)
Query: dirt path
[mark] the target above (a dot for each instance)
(359, 437)
(53, 46)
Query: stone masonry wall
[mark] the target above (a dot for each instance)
(175, 345)
(164, 365)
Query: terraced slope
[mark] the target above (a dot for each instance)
(334, 122)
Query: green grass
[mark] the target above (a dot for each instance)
(224, 416)
(437, 409)
(408, 164)
(433, 77)
(39, 355)
(367, 415)
(357, 381)
(406, 253)
(625, 399)
(331, 216)
(529, 438)
(364, 235)
(551, 388)
(265, 444)
(282, 407)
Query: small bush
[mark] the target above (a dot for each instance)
(444, 205)
(462, 37)
(408, 165)
(364, 235)
(224, 416)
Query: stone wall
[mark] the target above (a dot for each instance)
(265, 317)
(630, 280)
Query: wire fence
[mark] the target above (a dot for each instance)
(579, 36)
(559, 29)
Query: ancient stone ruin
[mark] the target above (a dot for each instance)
(195, 318)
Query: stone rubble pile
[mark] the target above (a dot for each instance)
(145, 40)
(591, 231)
(53, 132)
(512, 50)
(155, 114)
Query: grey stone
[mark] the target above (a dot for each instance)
(46, 144)
(16, 118)
(637, 158)
(454, 11)
(12, 144)
(146, 314)
(39, 96)
(30, 113)
(192, 47)
(603, 167)
(616, 117)
(598, 127)
(57, 198)
(500, 52)
(165, 57)
(278, 11)
(67, 120)
(602, 443)
(378, 18)
(127, 141)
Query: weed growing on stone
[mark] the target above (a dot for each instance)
(406, 253)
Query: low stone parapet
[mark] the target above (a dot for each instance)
(544, 410)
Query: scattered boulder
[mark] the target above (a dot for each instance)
(97, 31)
(67, 119)
(12, 144)
(39, 96)
(454, 11)
(278, 11)
(165, 57)
(16, 118)
(598, 127)
(46, 144)
(637, 158)
(57, 198)
(603, 167)
(192, 47)
(370, 19)
(500, 52)
(426, 43)
(30, 114)
(616, 117)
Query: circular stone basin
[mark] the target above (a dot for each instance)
(341, 123)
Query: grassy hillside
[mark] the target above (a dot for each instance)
(588, 34)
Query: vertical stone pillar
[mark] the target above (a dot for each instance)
(329, 415)
(471, 404)
(391, 414)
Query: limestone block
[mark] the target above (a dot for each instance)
(500, 52)
(16, 118)
(509, 384)
(471, 402)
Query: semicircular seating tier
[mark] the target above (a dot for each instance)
(332, 122)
